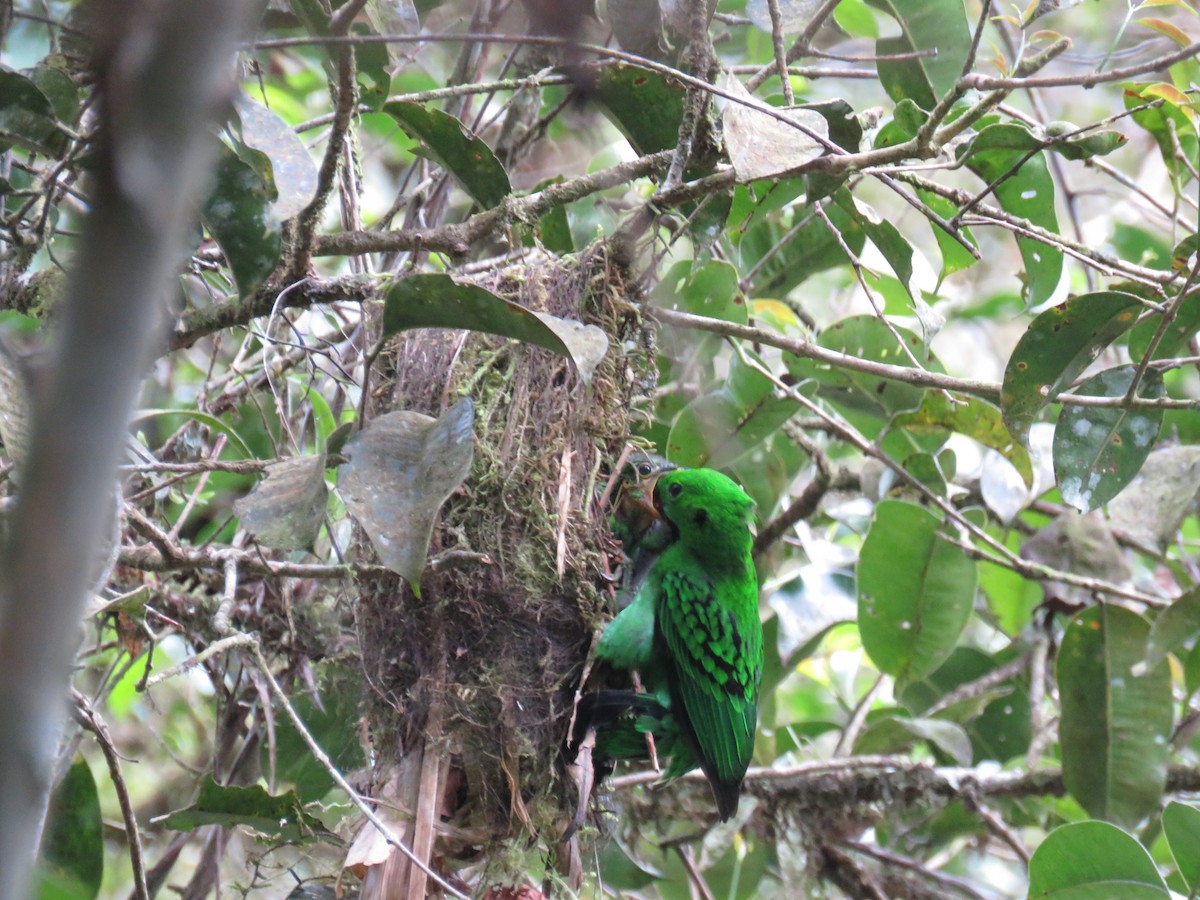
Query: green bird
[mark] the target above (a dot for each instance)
(636, 522)
(693, 628)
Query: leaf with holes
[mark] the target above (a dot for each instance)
(971, 417)
(1100, 449)
(1057, 346)
(869, 338)
(646, 106)
(1024, 187)
(281, 816)
(915, 591)
(445, 140)
(1115, 727)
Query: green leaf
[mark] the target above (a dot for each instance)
(939, 26)
(898, 734)
(27, 117)
(644, 105)
(865, 337)
(1056, 347)
(554, 229)
(907, 119)
(1099, 450)
(1173, 627)
(333, 723)
(843, 124)
(438, 301)
(812, 249)
(73, 843)
(281, 816)
(1191, 669)
(403, 465)
(708, 290)
(1015, 136)
(887, 239)
(206, 419)
(1093, 861)
(373, 62)
(240, 215)
(915, 591)
(447, 141)
(620, 871)
(1027, 191)
(955, 257)
(58, 88)
(1174, 339)
(1181, 256)
(1115, 726)
(312, 16)
(720, 428)
(969, 416)
(924, 468)
(1004, 729)
(856, 19)
(1169, 123)
(1181, 825)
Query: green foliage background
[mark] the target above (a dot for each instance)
(940, 323)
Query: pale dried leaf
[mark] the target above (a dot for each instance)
(1153, 506)
(402, 468)
(762, 146)
(586, 344)
(285, 509)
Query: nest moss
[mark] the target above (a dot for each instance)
(493, 651)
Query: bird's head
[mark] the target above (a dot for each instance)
(634, 505)
(708, 510)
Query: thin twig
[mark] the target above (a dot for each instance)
(780, 53)
(800, 47)
(91, 720)
(895, 859)
(1091, 79)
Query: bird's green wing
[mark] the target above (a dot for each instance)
(628, 641)
(717, 667)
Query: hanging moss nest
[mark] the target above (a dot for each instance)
(491, 654)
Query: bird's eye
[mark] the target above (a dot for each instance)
(675, 489)
(645, 469)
